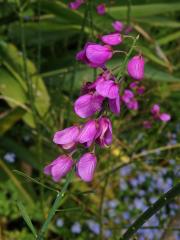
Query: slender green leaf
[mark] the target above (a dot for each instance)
(26, 217)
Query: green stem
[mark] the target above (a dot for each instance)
(55, 206)
(163, 200)
(123, 66)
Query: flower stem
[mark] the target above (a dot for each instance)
(55, 206)
(123, 67)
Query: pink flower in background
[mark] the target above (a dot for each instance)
(88, 104)
(67, 138)
(101, 9)
(59, 167)
(164, 117)
(86, 167)
(118, 26)
(128, 29)
(104, 134)
(147, 124)
(155, 110)
(112, 39)
(135, 67)
(127, 96)
(133, 104)
(95, 55)
(76, 4)
(88, 133)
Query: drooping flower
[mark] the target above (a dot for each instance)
(88, 104)
(112, 39)
(88, 133)
(104, 134)
(59, 167)
(107, 88)
(118, 26)
(101, 9)
(95, 55)
(76, 4)
(86, 167)
(67, 138)
(135, 67)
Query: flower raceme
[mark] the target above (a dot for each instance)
(103, 88)
(99, 131)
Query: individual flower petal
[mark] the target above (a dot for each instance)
(88, 104)
(59, 167)
(127, 96)
(88, 132)
(118, 26)
(86, 167)
(104, 134)
(114, 105)
(101, 9)
(112, 39)
(155, 110)
(135, 67)
(66, 136)
(107, 89)
(98, 54)
(165, 117)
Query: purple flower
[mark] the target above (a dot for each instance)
(133, 105)
(98, 54)
(86, 167)
(95, 55)
(135, 67)
(88, 133)
(59, 167)
(127, 96)
(67, 138)
(76, 4)
(147, 124)
(118, 26)
(93, 226)
(107, 88)
(115, 105)
(88, 104)
(165, 117)
(112, 39)
(101, 9)
(104, 134)
(155, 110)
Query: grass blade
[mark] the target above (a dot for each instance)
(26, 217)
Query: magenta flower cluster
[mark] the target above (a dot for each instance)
(96, 99)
